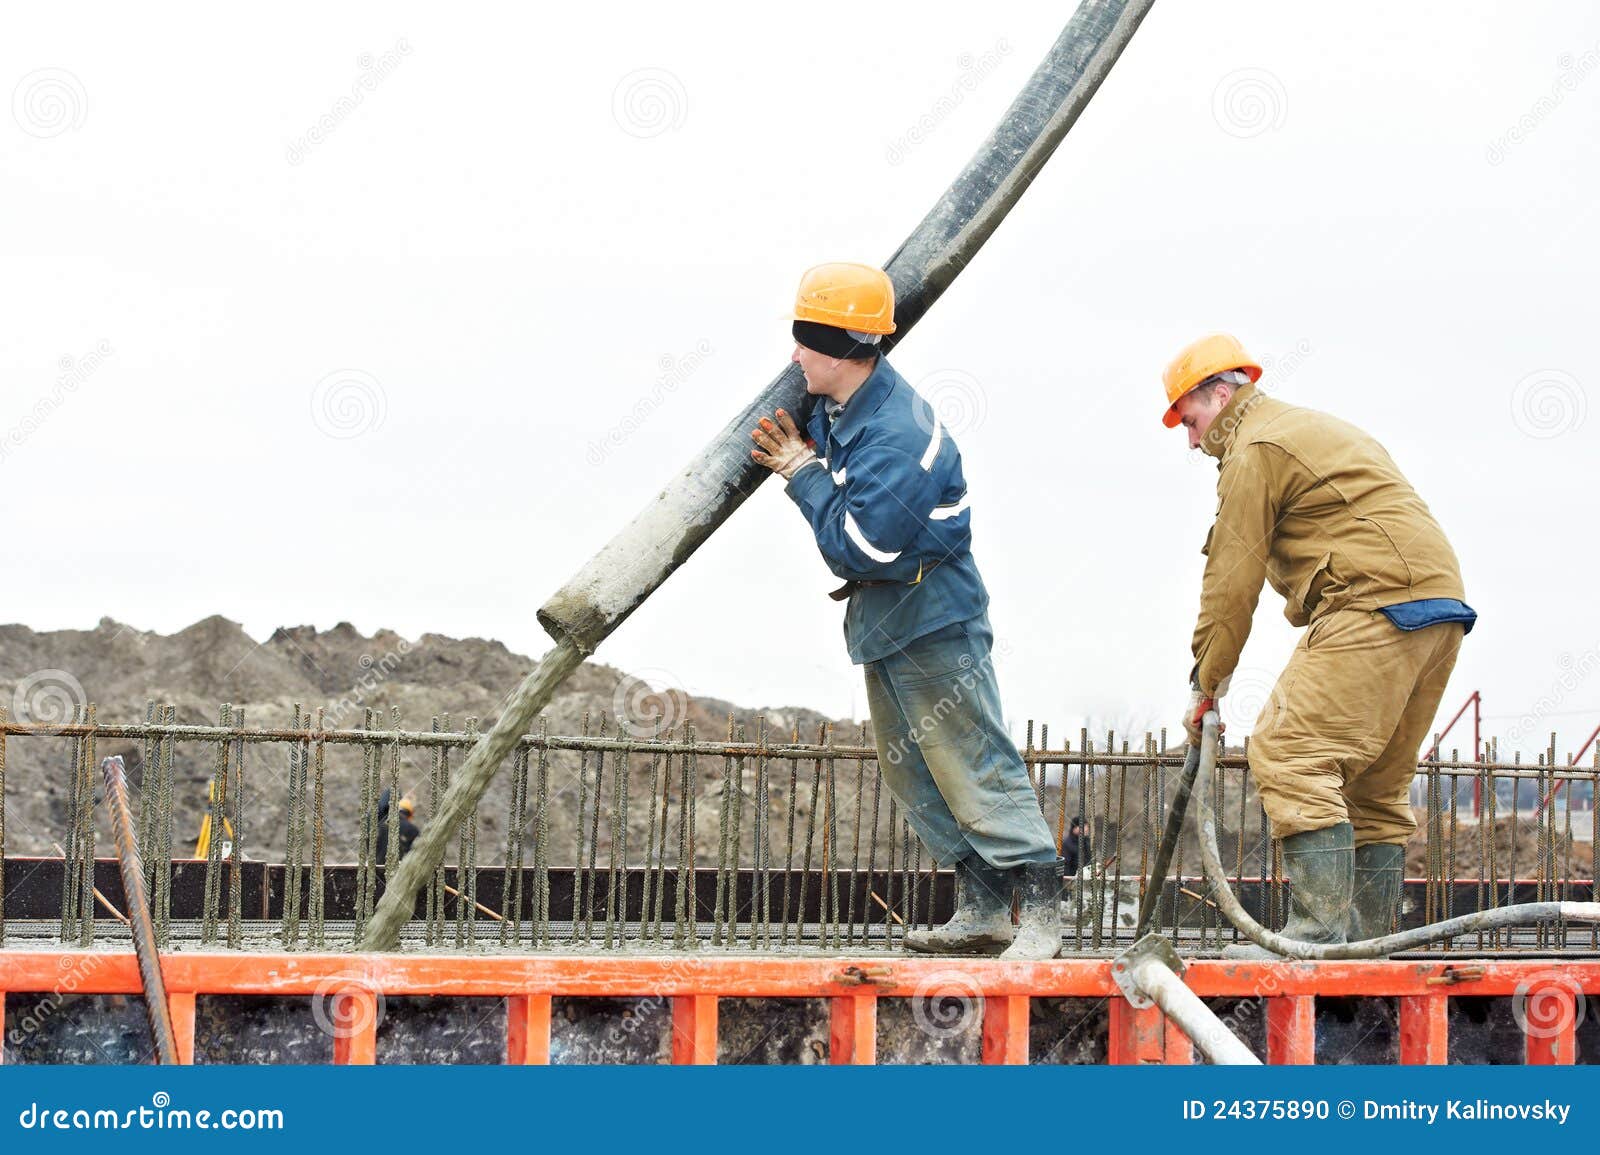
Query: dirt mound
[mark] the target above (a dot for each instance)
(340, 671)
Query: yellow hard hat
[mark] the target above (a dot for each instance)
(846, 296)
(407, 805)
(1198, 362)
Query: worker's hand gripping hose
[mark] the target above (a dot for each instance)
(1525, 914)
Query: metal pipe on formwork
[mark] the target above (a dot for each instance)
(1151, 974)
(704, 494)
(144, 935)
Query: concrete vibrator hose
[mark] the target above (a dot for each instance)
(1523, 914)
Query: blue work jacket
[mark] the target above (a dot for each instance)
(887, 502)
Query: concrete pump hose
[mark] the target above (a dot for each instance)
(1525, 914)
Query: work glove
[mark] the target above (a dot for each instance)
(786, 451)
(1199, 703)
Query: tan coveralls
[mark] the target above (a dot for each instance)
(1317, 507)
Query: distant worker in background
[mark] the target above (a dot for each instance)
(1317, 508)
(1075, 854)
(408, 829)
(879, 479)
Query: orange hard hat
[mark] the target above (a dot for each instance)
(1198, 362)
(846, 296)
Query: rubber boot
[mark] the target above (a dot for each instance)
(1039, 930)
(1320, 866)
(1380, 868)
(982, 921)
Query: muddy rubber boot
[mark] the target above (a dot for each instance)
(1380, 868)
(1320, 867)
(1039, 933)
(982, 921)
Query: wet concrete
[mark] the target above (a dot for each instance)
(634, 1031)
(76, 1029)
(99, 1029)
(258, 1029)
(1068, 1031)
(773, 1031)
(1354, 1031)
(436, 1030)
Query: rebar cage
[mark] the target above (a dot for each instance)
(629, 836)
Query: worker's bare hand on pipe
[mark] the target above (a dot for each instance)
(783, 447)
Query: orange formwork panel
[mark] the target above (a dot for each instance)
(694, 1029)
(528, 982)
(1005, 1029)
(853, 1029)
(528, 1030)
(1425, 1029)
(1292, 1030)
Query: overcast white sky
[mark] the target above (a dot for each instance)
(436, 355)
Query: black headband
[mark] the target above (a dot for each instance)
(832, 342)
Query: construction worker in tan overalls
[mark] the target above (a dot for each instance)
(1317, 508)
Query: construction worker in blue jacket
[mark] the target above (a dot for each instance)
(879, 479)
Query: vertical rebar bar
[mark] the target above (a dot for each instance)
(3, 827)
(541, 845)
(592, 876)
(736, 851)
(236, 855)
(469, 889)
(719, 907)
(218, 799)
(319, 881)
(788, 858)
(163, 866)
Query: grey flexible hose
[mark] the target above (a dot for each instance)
(1525, 914)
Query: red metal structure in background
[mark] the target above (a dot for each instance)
(1572, 761)
(853, 988)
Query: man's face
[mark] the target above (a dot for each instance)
(821, 371)
(1198, 410)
